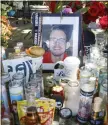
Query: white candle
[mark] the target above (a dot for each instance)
(73, 97)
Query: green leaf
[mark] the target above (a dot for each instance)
(58, 7)
(83, 10)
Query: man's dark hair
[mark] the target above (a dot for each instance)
(67, 29)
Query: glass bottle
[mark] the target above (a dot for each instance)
(6, 80)
(16, 93)
(6, 116)
(32, 117)
(37, 77)
(16, 88)
(72, 92)
(4, 99)
(48, 85)
(97, 112)
(104, 90)
(85, 74)
(3, 53)
(37, 82)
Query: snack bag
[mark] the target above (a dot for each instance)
(45, 109)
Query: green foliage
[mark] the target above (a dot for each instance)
(4, 9)
(83, 10)
(59, 7)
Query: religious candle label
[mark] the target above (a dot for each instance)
(84, 106)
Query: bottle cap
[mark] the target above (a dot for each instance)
(65, 113)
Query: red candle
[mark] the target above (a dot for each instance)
(58, 90)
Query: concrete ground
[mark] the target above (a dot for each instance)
(21, 33)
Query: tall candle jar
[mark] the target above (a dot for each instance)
(86, 96)
(85, 74)
(72, 96)
(18, 80)
(6, 80)
(16, 93)
(37, 81)
(4, 98)
(104, 90)
(31, 117)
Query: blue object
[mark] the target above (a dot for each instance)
(11, 13)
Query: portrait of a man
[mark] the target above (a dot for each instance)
(57, 42)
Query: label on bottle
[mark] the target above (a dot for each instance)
(17, 97)
(87, 94)
(16, 93)
(84, 106)
(97, 118)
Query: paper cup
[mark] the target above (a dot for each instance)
(71, 67)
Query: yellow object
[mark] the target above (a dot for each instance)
(45, 109)
(17, 49)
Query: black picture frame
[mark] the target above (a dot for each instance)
(74, 20)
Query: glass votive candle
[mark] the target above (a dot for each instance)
(58, 90)
(65, 116)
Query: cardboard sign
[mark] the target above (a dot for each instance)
(26, 65)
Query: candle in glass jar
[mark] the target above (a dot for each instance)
(16, 92)
(58, 90)
(72, 96)
(4, 98)
(86, 95)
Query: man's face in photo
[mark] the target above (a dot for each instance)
(57, 42)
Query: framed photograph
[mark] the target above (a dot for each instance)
(60, 36)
